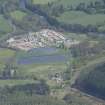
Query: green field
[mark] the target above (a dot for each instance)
(63, 2)
(4, 25)
(5, 54)
(20, 98)
(74, 17)
(41, 71)
(78, 37)
(14, 82)
(101, 28)
(31, 70)
(74, 3)
(32, 53)
(18, 15)
(3, 1)
(42, 1)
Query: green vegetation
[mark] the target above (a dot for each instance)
(39, 52)
(92, 80)
(74, 3)
(79, 37)
(5, 27)
(5, 53)
(23, 99)
(102, 28)
(65, 4)
(76, 100)
(41, 71)
(42, 2)
(82, 18)
(15, 82)
(72, 15)
(18, 15)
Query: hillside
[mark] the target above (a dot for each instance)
(35, 14)
(92, 81)
(52, 52)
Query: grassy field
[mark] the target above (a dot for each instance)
(79, 37)
(42, 1)
(5, 54)
(101, 28)
(4, 25)
(18, 15)
(63, 2)
(75, 2)
(23, 99)
(41, 71)
(40, 52)
(3, 1)
(30, 70)
(15, 82)
(74, 17)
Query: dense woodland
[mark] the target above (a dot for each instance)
(93, 81)
(44, 16)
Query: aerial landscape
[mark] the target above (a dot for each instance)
(52, 52)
